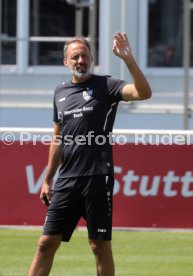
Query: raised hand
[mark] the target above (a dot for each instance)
(121, 46)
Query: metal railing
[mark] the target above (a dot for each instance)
(120, 136)
(48, 131)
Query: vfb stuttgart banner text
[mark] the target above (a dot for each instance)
(153, 185)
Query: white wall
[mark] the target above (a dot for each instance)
(115, 16)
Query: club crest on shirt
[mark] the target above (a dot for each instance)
(87, 94)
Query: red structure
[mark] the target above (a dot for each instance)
(153, 185)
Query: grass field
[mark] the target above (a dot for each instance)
(135, 254)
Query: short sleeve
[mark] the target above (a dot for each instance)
(115, 87)
(55, 112)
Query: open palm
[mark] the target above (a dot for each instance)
(121, 47)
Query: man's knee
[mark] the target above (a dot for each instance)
(48, 244)
(100, 247)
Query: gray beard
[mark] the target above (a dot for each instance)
(80, 75)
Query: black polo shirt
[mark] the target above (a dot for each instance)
(86, 113)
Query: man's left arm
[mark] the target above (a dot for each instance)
(139, 89)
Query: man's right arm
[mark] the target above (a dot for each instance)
(54, 160)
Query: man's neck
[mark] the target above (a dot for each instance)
(79, 80)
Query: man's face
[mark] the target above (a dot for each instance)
(79, 60)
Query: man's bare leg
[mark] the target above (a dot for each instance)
(43, 259)
(104, 259)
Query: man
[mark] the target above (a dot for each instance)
(84, 112)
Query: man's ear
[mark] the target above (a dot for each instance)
(65, 61)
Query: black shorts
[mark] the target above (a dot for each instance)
(89, 197)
